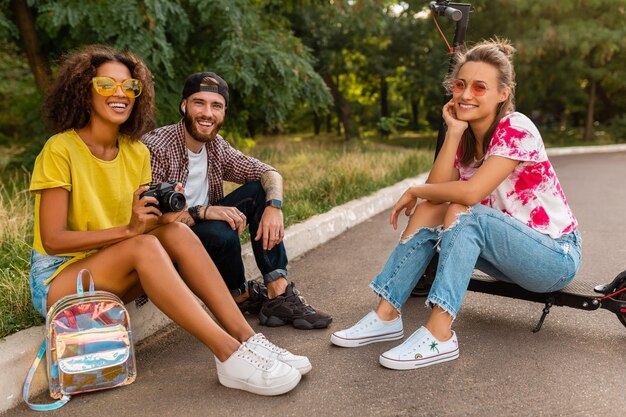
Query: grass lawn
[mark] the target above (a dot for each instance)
(320, 173)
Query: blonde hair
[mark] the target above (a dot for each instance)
(498, 53)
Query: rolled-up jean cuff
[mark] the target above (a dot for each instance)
(386, 296)
(431, 301)
(274, 275)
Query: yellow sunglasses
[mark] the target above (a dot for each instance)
(107, 86)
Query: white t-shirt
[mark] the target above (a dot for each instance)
(531, 193)
(197, 187)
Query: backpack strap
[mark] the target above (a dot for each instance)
(79, 281)
(29, 379)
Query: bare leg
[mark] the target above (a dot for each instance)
(426, 214)
(142, 259)
(202, 277)
(440, 321)
(439, 324)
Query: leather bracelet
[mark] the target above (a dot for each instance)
(193, 212)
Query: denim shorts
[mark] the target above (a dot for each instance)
(43, 267)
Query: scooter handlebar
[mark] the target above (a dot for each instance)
(443, 10)
(454, 14)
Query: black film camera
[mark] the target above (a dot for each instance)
(169, 199)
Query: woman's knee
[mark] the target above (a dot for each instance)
(177, 232)
(426, 214)
(144, 245)
(452, 214)
(427, 207)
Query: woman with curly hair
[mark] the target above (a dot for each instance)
(90, 214)
(492, 201)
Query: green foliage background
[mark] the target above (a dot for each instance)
(365, 70)
(344, 66)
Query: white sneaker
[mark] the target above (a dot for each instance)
(420, 349)
(260, 344)
(250, 371)
(370, 329)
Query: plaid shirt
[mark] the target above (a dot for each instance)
(170, 162)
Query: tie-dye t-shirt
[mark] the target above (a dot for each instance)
(531, 193)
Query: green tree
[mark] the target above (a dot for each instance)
(337, 32)
(570, 54)
(269, 70)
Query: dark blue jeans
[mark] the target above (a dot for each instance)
(223, 245)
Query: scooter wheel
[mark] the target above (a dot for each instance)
(422, 288)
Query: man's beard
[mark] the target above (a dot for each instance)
(193, 131)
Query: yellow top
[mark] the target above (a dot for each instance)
(100, 192)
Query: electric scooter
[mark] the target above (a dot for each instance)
(578, 294)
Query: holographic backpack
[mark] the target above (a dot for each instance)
(88, 345)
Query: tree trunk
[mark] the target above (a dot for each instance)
(329, 123)
(251, 127)
(608, 110)
(414, 112)
(588, 135)
(344, 110)
(25, 21)
(317, 124)
(384, 95)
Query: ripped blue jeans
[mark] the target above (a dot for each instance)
(486, 239)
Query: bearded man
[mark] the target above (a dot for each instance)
(193, 153)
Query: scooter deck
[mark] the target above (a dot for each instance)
(578, 287)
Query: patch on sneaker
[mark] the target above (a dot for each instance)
(433, 346)
(418, 356)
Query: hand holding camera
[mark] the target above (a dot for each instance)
(168, 199)
(160, 204)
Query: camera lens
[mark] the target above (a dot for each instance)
(174, 201)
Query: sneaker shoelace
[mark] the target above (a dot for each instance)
(263, 341)
(297, 299)
(255, 358)
(256, 290)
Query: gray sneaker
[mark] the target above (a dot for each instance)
(291, 308)
(257, 295)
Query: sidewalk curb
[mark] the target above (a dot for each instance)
(17, 351)
(573, 150)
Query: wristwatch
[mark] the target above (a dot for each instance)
(274, 203)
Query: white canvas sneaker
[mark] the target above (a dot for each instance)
(259, 343)
(250, 371)
(370, 329)
(420, 349)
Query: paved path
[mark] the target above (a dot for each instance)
(575, 366)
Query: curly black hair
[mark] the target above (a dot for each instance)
(68, 103)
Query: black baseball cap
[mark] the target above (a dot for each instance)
(194, 81)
